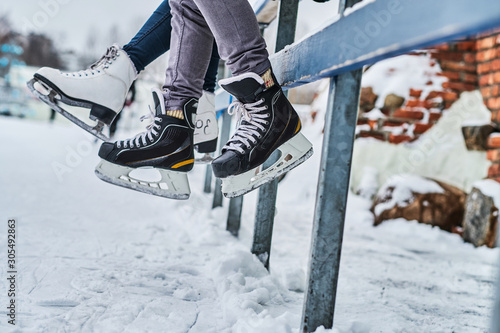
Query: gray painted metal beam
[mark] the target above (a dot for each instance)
(207, 187)
(266, 204)
(379, 30)
(331, 199)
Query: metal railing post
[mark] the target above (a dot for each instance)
(266, 205)
(207, 187)
(331, 199)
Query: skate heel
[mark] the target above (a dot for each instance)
(103, 114)
(207, 146)
(293, 153)
(172, 184)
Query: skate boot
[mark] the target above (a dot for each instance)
(102, 88)
(166, 147)
(206, 129)
(267, 122)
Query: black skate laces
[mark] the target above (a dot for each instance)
(249, 130)
(107, 59)
(151, 131)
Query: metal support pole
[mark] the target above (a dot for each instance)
(234, 215)
(208, 179)
(266, 205)
(224, 137)
(331, 199)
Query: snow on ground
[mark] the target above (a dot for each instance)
(93, 257)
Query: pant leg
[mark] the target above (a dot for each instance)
(213, 68)
(190, 49)
(236, 31)
(153, 40)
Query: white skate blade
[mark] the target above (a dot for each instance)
(49, 97)
(172, 185)
(293, 153)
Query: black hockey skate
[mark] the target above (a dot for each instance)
(267, 122)
(167, 147)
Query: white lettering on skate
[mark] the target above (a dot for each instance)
(73, 159)
(48, 10)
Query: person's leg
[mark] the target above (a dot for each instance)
(213, 67)
(190, 49)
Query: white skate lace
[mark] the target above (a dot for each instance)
(106, 60)
(249, 131)
(151, 131)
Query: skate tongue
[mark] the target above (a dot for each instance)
(159, 102)
(244, 87)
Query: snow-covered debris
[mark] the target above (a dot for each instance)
(399, 190)
(490, 188)
(400, 74)
(369, 184)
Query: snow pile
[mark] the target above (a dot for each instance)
(369, 184)
(400, 74)
(399, 190)
(98, 258)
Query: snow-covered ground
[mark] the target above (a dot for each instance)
(93, 257)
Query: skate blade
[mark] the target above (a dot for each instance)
(206, 159)
(293, 153)
(172, 185)
(51, 98)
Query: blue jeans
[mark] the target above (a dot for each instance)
(153, 40)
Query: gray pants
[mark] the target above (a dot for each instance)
(195, 24)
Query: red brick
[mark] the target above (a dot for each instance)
(486, 80)
(496, 77)
(415, 93)
(449, 96)
(399, 138)
(362, 121)
(441, 47)
(458, 66)
(460, 86)
(495, 91)
(486, 92)
(470, 57)
(493, 103)
(434, 116)
(416, 103)
(468, 45)
(484, 68)
(421, 128)
(486, 43)
(374, 135)
(494, 141)
(393, 123)
(410, 114)
(495, 65)
(372, 123)
(434, 94)
(450, 75)
(486, 55)
(494, 170)
(493, 155)
(469, 78)
(450, 56)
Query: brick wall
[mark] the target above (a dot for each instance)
(468, 64)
